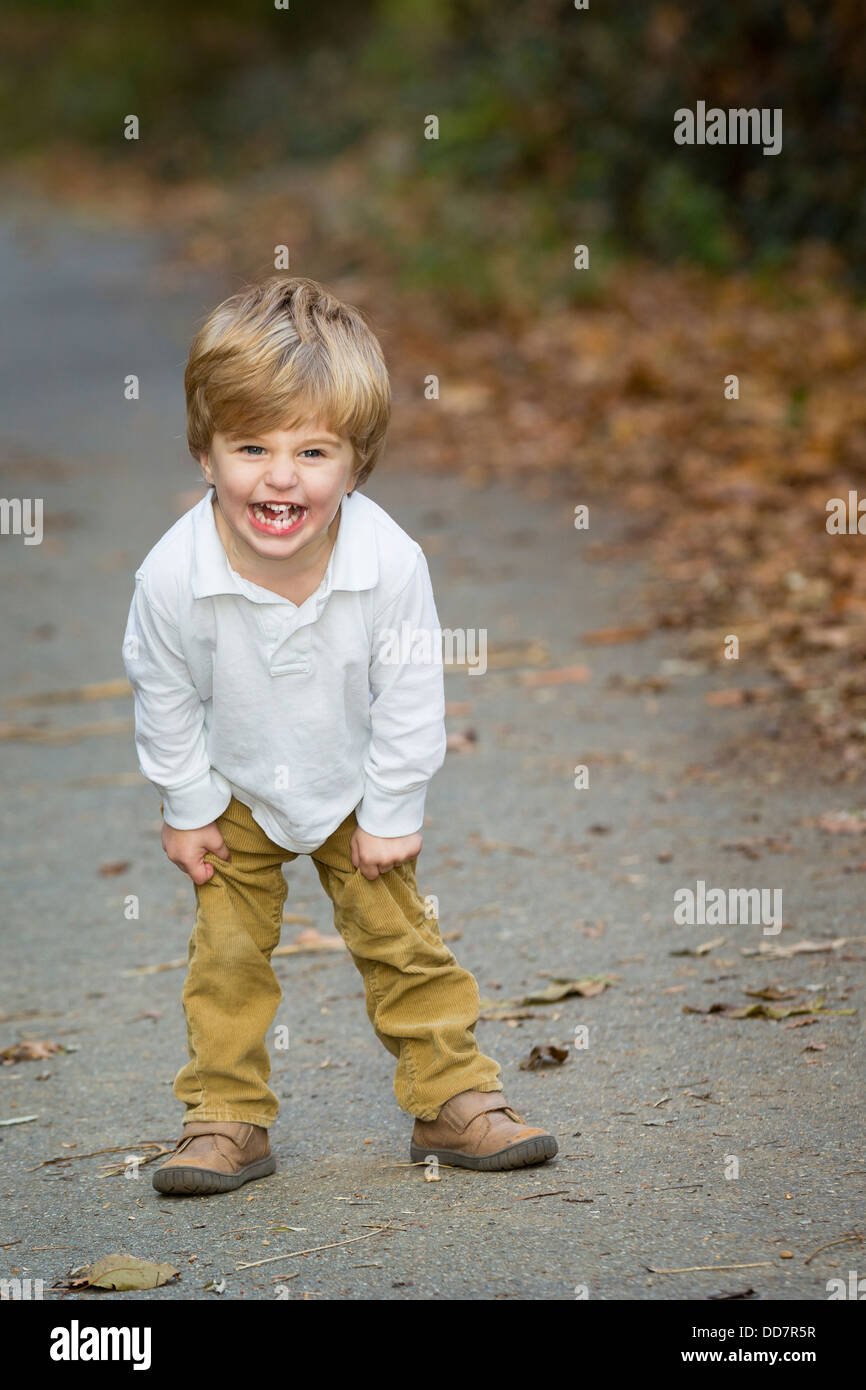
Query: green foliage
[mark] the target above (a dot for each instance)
(555, 119)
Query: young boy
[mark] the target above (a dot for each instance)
(273, 721)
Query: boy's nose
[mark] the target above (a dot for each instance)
(281, 477)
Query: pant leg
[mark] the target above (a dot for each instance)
(423, 1006)
(231, 994)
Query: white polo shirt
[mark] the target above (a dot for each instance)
(302, 713)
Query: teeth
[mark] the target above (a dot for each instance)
(281, 514)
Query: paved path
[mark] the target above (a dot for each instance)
(649, 1116)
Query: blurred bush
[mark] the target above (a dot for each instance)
(555, 124)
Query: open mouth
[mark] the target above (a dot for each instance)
(277, 518)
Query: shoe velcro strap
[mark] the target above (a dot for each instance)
(197, 1129)
(461, 1110)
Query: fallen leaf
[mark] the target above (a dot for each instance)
(587, 987)
(509, 655)
(19, 1015)
(305, 942)
(485, 846)
(111, 870)
(129, 1272)
(503, 1015)
(843, 822)
(766, 1010)
(30, 1051)
(777, 952)
(750, 847)
(772, 993)
(609, 636)
(55, 733)
(724, 698)
(155, 969)
(314, 940)
(102, 690)
(769, 1011)
(461, 743)
(700, 950)
(543, 1056)
(566, 675)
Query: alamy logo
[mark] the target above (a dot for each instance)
(846, 519)
(76, 1343)
(856, 1287)
(736, 126)
(21, 1289)
(718, 907)
(22, 516)
(424, 646)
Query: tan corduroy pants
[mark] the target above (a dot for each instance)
(423, 1006)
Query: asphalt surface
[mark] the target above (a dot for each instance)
(539, 878)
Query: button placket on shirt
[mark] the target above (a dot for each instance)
(290, 638)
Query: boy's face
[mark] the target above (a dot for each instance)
(255, 476)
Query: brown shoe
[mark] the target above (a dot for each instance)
(478, 1129)
(215, 1156)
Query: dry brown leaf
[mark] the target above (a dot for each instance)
(610, 636)
(587, 988)
(102, 690)
(843, 822)
(52, 733)
(772, 993)
(505, 1015)
(778, 952)
(124, 1271)
(512, 655)
(544, 1055)
(738, 696)
(30, 1050)
(566, 675)
(701, 950)
(461, 743)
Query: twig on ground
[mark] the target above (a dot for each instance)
(314, 1249)
(843, 1240)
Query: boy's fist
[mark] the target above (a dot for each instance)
(374, 855)
(187, 848)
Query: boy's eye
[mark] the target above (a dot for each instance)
(249, 448)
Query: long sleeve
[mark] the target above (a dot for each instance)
(407, 710)
(169, 719)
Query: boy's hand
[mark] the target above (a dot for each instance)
(374, 855)
(187, 848)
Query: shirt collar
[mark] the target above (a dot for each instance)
(353, 563)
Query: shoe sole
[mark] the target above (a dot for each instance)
(191, 1182)
(538, 1149)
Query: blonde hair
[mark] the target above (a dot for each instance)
(283, 351)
